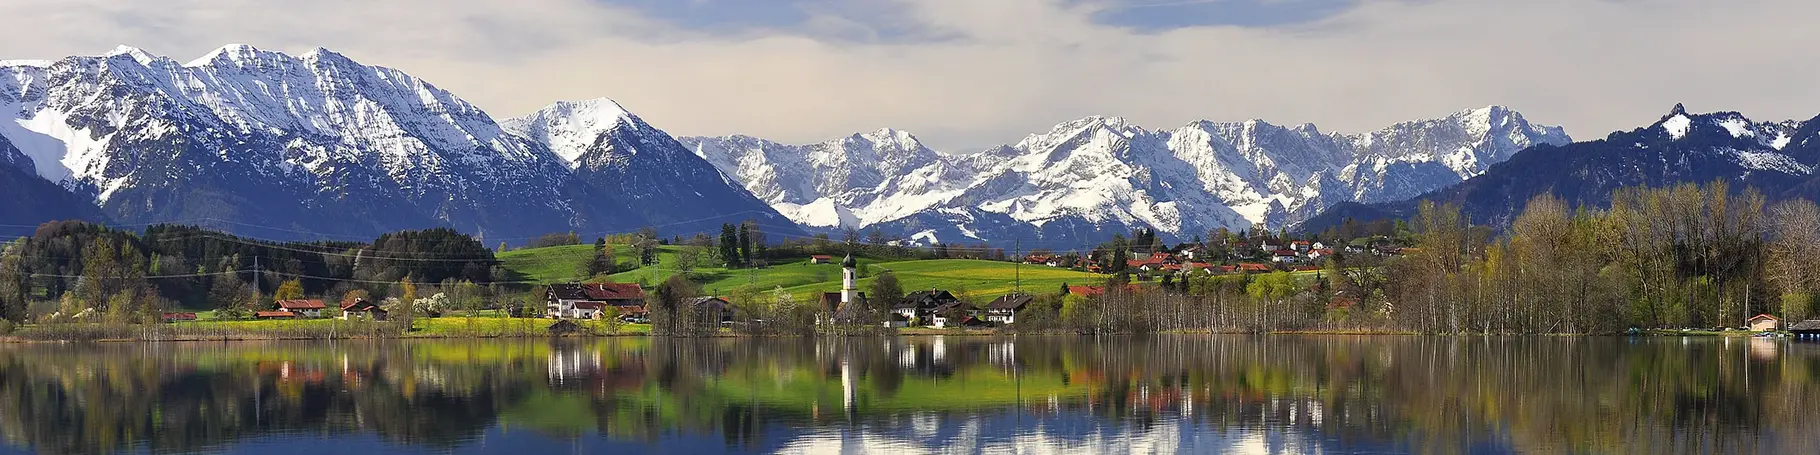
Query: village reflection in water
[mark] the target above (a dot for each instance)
(1168, 394)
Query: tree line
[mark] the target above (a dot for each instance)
(1687, 256)
(71, 268)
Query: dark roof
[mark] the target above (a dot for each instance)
(1010, 302)
(951, 306)
(358, 304)
(849, 262)
(927, 299)
(597, 291)
(301, 304)
(1806, 326)
(831, 300)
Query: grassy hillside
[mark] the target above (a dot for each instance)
(983, 280)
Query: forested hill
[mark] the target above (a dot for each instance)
(135, 274)
(1777, 159)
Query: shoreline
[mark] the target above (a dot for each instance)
(14, 339)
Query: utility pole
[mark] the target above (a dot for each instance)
(1017, 273)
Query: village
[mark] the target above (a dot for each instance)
(937, 308)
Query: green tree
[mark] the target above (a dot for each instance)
(289, 290)
(14, 287)
(1271, 289)
(886, 289)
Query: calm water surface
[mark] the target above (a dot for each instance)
(1173, 394)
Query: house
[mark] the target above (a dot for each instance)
(565, 300)
(1319, 253)
(1284, 256)
(360, 308)
(1193, 252)
(274, 315)
(1095, 291)
(1038, 259)
(1809, 329)
(714, 310)
(920, 305)
(1093, 267)
(177, 317)
(1318, 245)
(951, 313)
(1763, 323)
(821, 259)
(303, 308)
(1301, 246)
(1268, 246)
(1003, 310)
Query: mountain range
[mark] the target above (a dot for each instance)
(1086, 179)
(320, 146)
(1776, 158)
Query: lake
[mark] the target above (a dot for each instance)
(1166, 394)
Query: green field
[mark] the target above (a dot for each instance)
(982, 280)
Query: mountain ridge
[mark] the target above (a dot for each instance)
(316, 143)
(1099, 175)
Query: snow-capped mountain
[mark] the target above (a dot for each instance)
(1086, 179)
(1776, 158)
(315, 145)
(623, 168)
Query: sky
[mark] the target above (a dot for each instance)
(969, 74)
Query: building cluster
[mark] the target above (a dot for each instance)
(351, 309)
(1235, 256)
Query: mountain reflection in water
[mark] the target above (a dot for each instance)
(1169, 394)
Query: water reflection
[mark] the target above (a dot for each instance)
(1179, 394)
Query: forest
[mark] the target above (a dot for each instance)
(72, 269)
(1688, 256)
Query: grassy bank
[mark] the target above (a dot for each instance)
(313, 329)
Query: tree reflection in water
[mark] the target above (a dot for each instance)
(1162, 394)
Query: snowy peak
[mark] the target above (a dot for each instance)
(1104, 174)
(572, 128)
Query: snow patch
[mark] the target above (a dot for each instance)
(1737, 126)
(1678, 126)
(1767, 161)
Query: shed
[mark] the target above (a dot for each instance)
(1763, 323)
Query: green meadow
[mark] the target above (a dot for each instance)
(981, 280)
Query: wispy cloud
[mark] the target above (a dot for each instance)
(971, 73)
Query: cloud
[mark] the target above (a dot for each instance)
(966, 74)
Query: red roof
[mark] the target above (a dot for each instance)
(1135, 263)
(1229, 268)
(1255, 267)
(822, 257)
(1096, 290)
(1300, 242)
(1325, 252)
(588, 305)
(275, 314)
(613, 291)
(301, 304)
(1086, 290)
(1172, 267)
